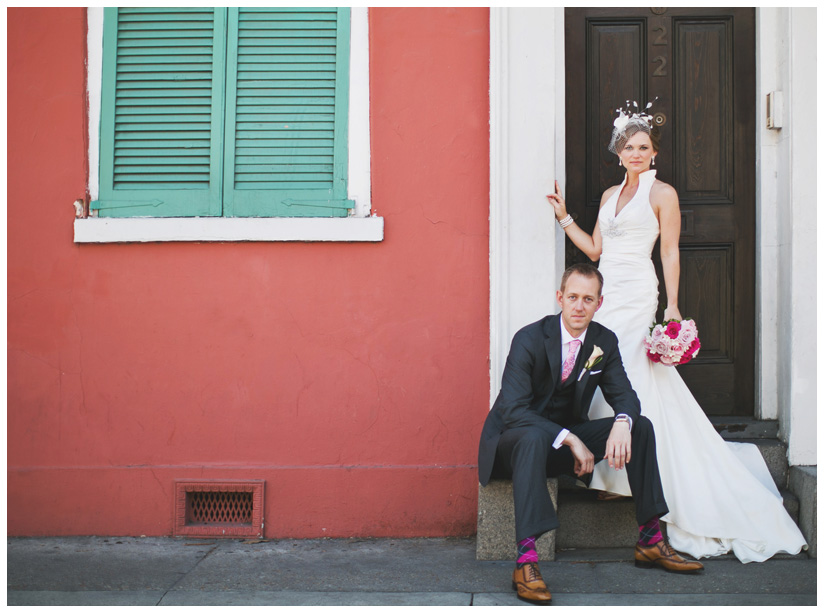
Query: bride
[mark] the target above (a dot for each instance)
(721, 495)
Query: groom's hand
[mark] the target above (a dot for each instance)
(583, 457)
(617, 450)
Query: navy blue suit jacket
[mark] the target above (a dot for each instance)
(531, 374)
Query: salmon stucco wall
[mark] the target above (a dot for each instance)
(351, 377)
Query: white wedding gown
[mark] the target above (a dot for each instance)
(720, 495)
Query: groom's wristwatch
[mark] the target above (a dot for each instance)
(625, 418)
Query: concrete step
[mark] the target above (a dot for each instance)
(775, 454)
(496, 523)
(802, 481)
(586, 522)
(624, 554)
(764, 434)
(740, 427)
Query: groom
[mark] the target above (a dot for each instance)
(538, 427)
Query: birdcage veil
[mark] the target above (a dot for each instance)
(629, 122)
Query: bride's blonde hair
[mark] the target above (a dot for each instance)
(621, 140)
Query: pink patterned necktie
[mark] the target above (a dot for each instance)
(572, 352)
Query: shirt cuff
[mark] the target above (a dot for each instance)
(560, 438)
(629, 420)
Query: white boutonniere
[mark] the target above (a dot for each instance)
(595, 358)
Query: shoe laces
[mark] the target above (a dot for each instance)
(668, 551)
(533, 572)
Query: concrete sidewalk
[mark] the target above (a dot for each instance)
(385, 572)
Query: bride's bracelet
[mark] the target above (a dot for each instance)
(566, 221)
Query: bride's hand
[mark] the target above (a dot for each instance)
(557, 200)
(672, 313)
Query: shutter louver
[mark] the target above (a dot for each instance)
(234, 112)
(164, 77)
(287, 112)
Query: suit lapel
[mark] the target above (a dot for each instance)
(552, 345)
(584, 354)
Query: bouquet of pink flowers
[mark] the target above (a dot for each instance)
(673, 342)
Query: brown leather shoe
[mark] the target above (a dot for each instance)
(527, 582)
(662, 555)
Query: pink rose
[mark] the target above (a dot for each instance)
(672, 329)
(653, 356)
(657, 333)
(686, 336)
(661, 347)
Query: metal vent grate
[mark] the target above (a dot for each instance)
(219, 509)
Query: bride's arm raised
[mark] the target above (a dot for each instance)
(665, 202)
(591, 245)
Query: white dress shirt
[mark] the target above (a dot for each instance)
(566, 338)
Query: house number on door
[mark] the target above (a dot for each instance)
(660, 71)
(660, 59)
(660, 40)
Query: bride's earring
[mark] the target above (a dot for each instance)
(653, 161)
(620, 162)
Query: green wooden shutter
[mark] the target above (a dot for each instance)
(287, 105)
(162, 112)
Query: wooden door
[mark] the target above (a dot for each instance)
(701, 65)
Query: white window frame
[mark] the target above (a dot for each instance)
(359, 226)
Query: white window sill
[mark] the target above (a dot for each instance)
(144, 230)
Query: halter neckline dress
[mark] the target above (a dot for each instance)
(720, 494)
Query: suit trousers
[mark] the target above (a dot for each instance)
(527, 456)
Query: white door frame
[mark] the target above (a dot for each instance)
(526, 156)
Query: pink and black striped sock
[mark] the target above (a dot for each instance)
(650, 532)
(527, 551)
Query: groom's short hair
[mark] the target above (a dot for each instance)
(585, 270)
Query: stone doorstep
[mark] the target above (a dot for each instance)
(803, 482)
(775, 454)
(762, 433)
(739, 427)
(586, 522)
(496, 530)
